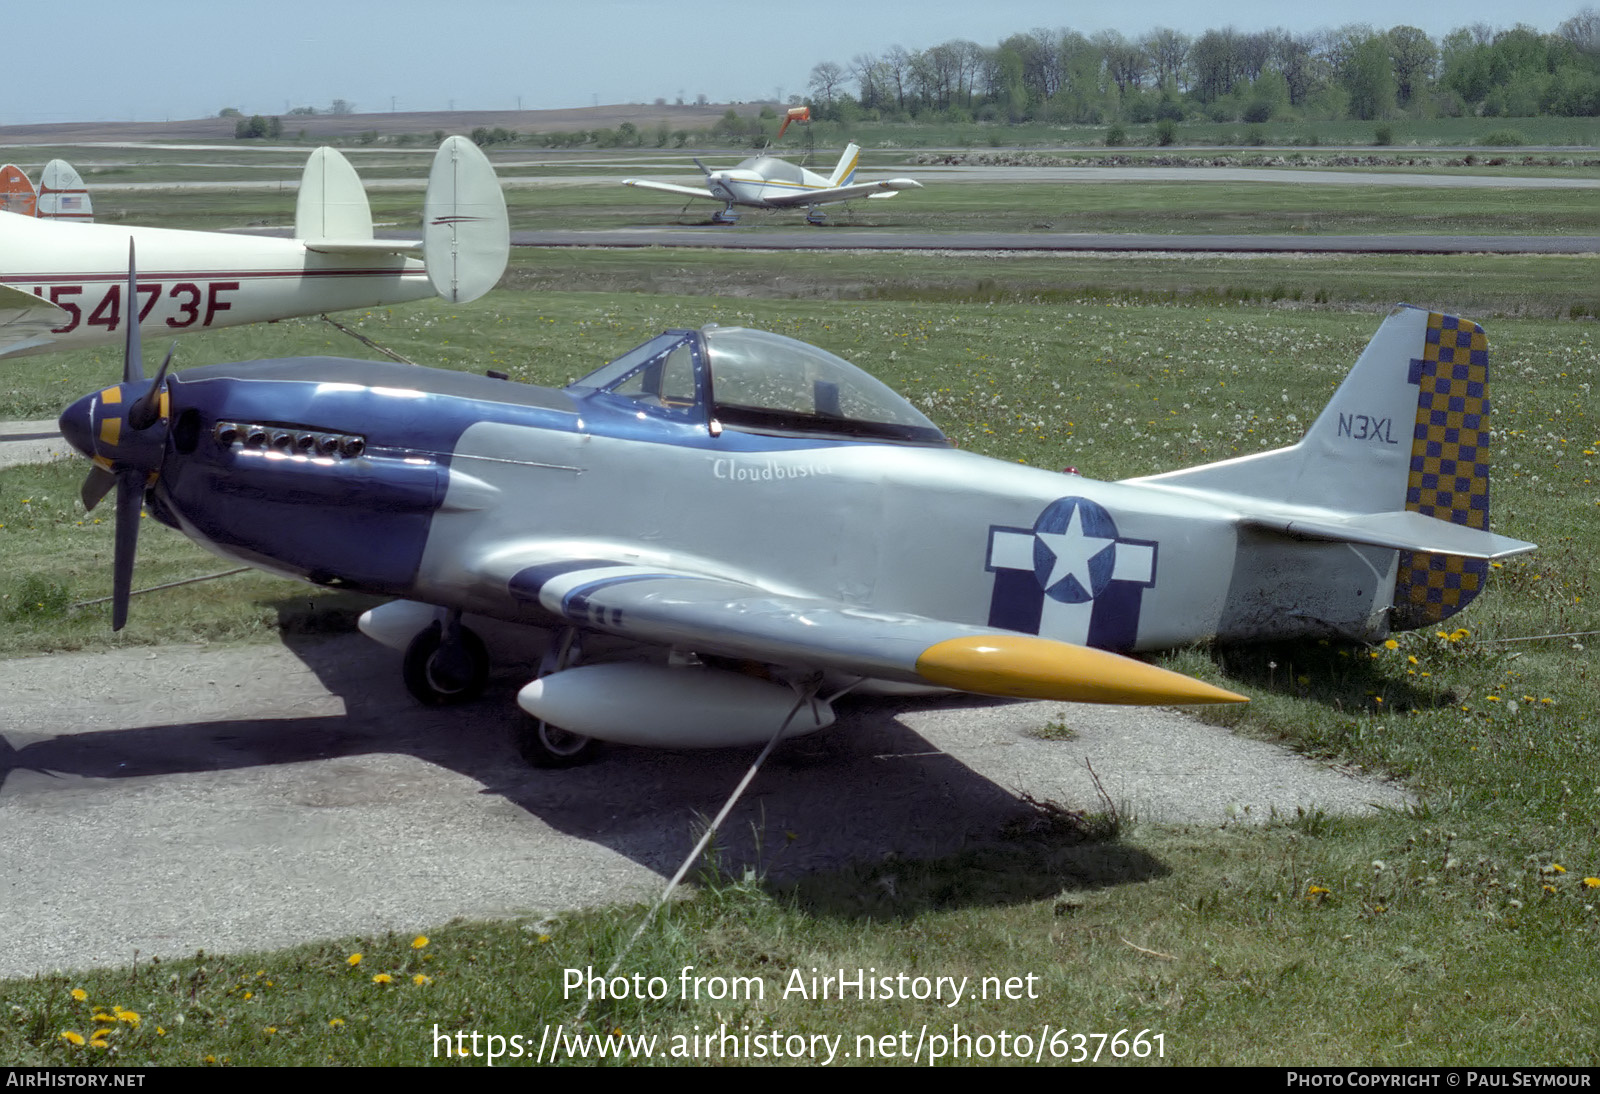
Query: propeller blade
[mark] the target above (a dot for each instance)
(146, 410)
(704, 170)
(130, 501)
(98, 483)
(132, 358)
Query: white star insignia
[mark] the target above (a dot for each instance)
(1073, 552)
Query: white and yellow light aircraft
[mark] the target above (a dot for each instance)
(63, 284)
(767, 182)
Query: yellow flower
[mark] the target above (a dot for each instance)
(79, 994)
(72, 1037)
(102, 1016)
(1591, 883)
(420, 980)
(383, 978)
(353, 960)
(418, 942)
(129, 1016)
(1317, 890)
(1412, 660)
(1557, 868)
(1391, 644)
(1549, 888)
(335, 1023)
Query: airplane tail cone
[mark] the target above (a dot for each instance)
(466, 234)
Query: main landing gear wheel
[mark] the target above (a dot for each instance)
(549, 746)
(440, 673)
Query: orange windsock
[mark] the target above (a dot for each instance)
(795, 114)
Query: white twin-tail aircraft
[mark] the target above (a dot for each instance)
(766, 182)
(63, 284)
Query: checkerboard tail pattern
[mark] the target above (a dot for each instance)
(1449, 468)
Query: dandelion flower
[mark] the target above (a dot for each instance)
(129, 1016)
(335, 1023)
(420, 980)
(1591, 883)
(1317, 890)
(383, 978)
(418, 942)
(79, 994)
(353, 960)
(72, 1037)
(1391, 644)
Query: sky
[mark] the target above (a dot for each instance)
(180, 59)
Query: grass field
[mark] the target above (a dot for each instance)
(1463, 931)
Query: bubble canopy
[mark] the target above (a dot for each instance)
(756, 381)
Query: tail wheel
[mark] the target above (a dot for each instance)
(438, 673)
(548, 746)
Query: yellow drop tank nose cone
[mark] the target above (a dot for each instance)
(1024, 667)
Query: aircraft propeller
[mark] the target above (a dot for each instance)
(126, 450)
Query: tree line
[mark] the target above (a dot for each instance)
(1225, 75)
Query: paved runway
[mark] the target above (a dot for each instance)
(166, 799)
(845, 238)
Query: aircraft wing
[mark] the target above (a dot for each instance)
(883, 188)
(672, 188)
(26, 321)
(720, 616)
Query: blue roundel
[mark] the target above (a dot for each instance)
(1074, 550)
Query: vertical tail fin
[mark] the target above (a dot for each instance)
(1407, 431)
(466, 235)
(62, 195)
(846, 170)
(332, 203)
(16, 192)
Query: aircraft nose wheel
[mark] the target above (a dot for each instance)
(548, 746)
(440, 673)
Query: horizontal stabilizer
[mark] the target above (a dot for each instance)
(1401, 530)
(466, 234)
(363, 246)
(332, 204)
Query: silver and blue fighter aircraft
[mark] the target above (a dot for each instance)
(724, 528)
